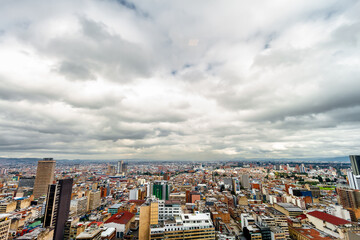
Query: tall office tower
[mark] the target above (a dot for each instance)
(245, 182)
(355, 164)
(124, 168)
(354, 180)
(236, 185)
(302, 168)
(58, 206)
(44, 176)
(120, 167)
(149, 215)
(161, 190)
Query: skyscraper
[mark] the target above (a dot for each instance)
(121, 167)
(44, 176)
(161, 190)
(58, 206)
(245, 182)
(355, 164)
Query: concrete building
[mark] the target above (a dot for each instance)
(7, 207)
(280, 219)
(149, 215)
(168, 209)
(288, 209)
(328, 223)
(94, 200)
(354, 180)
(27, 181)
(134, 194)
(185, 226)
(58, 206)
(44, 176)
(4, 225)
(161, 190)
(91, 233)
(355, 164)
(79, 206)
(245, 182)
(121, 222)
(108, 234)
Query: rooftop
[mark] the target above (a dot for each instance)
(290, 207)
(121, 218)
(328, 218)
(108, 232)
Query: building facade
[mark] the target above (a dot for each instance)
(44, 176)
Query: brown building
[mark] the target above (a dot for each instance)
(44, 176)
(350, 200)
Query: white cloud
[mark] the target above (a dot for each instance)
(179, 79)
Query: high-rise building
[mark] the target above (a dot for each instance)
(302, 168)
(355, 164)
(94, 199)
(58, 206)
(121, 167)
(245, 182)
(350, 200)
(236, 185)
(44, 176)
(161, 190)
(354, 180)
(149, 215)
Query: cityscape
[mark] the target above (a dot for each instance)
(179, 120)
(228, 200)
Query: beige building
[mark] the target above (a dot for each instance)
(94, 199)
(79, 206)
(7, 207)
(44, 176)
(23, 203)
(4, 226)
(149, 214)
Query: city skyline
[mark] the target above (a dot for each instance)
(179, 80)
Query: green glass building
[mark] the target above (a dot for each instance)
(161, 190)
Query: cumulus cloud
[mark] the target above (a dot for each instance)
(179, 80)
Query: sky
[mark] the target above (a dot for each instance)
(179, 80)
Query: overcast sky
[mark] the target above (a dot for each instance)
(179, 80)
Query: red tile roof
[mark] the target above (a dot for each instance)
(301, 216)
(328, 218)
(121, 218)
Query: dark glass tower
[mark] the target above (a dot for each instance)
(58, 206)
(355, 164)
